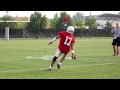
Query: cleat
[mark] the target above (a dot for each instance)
(118, 54)
(49, 69)
(58, 66)
(115, 54)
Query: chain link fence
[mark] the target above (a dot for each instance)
(45, 33)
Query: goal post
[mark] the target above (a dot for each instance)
(7, 31)
(7, 22)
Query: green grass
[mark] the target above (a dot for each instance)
(94, 60)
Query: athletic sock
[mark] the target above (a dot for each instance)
(60, 63)
(50, 66)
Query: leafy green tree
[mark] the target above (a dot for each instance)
(37, 21)
(80, 24)
(91, 22)
(48, 24)
(22, 25)
(54, 21)
(12, 24)
(43, 22)
(77, 17)
(60, 24)
(70, 22)
(108, 25)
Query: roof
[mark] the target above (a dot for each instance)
(109, 15)
(101, 22)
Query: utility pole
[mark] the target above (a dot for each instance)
(83, 17)
(7, 13)
(90, 14)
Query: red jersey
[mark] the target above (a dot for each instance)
(66, 39)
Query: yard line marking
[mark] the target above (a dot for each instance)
(62, 67)
(21, 70)
(49, 57)
(11, 60)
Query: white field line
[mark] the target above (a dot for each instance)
(47, 57)
(10, 59)
(62, 67)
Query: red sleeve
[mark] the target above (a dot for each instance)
(74, 40)
(60, 33)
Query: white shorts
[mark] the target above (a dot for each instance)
(58, 53)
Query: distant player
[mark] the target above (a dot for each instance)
(116, 39)
(67, 41)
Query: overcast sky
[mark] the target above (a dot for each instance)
(50, 14)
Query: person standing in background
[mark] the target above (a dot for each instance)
(116, 39)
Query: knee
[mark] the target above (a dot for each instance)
(55, 58)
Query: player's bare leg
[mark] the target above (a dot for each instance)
(118, 50)
(52, 63)
(115, 51)
(57, 54)
(62, 59)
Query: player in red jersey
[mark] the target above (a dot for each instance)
(67, 41)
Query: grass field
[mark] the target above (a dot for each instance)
(30, 59)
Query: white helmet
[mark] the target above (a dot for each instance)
(70, 29)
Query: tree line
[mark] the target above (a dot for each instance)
(39, 21)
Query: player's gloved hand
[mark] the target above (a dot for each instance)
(73, 56)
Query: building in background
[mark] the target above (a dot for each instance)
(103, 18)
